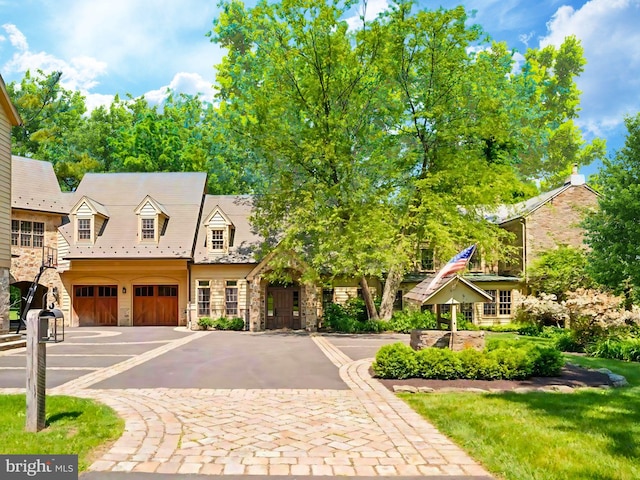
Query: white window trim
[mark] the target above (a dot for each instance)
(91, 238)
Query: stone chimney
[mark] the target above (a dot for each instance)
(575, 178)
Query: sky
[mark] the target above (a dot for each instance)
(142, 47)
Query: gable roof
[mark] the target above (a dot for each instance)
(508, 213)
(34, 186)
(237, 210)
(158, 207)
(424, 292)
(96, 207)
(8, 107)
(180, 195)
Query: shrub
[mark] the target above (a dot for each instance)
(566, 342)
(205, 323)
(627, 349)
(407, 320)
(530, 330)
(547, 361)
(221, 323)
(541, 310)
(512, 363)
(472, 364)
(395, 361)
(509, 327)
(440, 363)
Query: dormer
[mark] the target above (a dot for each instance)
(220, 232)
(89, 218)
(152, 220)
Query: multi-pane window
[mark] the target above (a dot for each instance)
(27, 234)
(148, 228)
(84, 229)
(204, 298)
(217, 239)
(167, 291)
(231, 298)
(467, 311)
(504, 307)
(427, 263)
(490, 307)
(327, 298)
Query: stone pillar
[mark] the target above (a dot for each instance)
(256, 305)
(4, 300)
(310, 307)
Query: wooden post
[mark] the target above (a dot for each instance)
(454, 324)
(36, 374)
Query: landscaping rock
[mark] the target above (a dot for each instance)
(426, 390)
(525, 389)
(404, 389)
(562, 388)
(618, 380)
(604, 370)
(476, 390)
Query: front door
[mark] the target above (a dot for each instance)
(283, 309)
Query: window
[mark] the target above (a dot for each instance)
(144, 291)
(327, 298)
(27, 234)
(231, 298)
(475, 262)
(84, 292)
(15, 232)
(217, 239)
(397, 302)
(504, 307)
(148, 228)
(84, 229)
(167, 291)
(296, 303)
(204, 298)
(427, 263)
(467, 311)
(109, 291)
(490, 307)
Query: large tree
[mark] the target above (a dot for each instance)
(613, 232)
(375, 140)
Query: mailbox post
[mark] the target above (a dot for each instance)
(43, 326)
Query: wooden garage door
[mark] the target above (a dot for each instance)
(155, 305)
(96, 305)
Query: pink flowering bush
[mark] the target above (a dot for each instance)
(542, 310)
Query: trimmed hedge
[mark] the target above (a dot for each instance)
(221, 323)
(400, 361)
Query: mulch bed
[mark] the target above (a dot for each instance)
(571, 375)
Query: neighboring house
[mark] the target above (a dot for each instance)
(538, 224)
(38, 210)
(8, 117)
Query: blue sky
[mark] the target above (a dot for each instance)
(142, 47)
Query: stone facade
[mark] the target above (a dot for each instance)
(442, 339)
(557, 222)
(26, 261)
(4, 300)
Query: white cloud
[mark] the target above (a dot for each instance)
(608, 31)
(369, 9)
(183, 82)
(16, 37)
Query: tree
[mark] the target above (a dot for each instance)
(561, 270)
(370, 141)
(613, 232)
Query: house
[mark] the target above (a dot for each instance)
(8, 118)
(538, 224)
(38, 209)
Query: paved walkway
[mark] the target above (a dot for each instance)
(362, 431)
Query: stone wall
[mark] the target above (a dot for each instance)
(558, 221)
(309, 307)
(442, 339)
(4, 300)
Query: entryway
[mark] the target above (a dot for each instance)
(283, 307)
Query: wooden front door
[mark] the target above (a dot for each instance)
(283, 309)
(96, 305)
(155, 305)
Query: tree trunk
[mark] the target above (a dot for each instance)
(368, 300)
(391, 285)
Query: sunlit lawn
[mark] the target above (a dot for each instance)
(589, 434)
(74, 426)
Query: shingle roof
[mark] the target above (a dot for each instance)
(34, 186)
(8, 107)
(237, 208)
(180, 194)
(422, 292)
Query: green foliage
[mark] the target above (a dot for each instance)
(566, 342)
(511, 361)
(613, 232)
(221, 323)
(395, 361)
(509, 327)
(560, 270)
(626, 349)
(406, 320)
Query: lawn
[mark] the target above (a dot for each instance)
(589, 434)
(74, 426)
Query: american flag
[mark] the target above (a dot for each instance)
(457, 263)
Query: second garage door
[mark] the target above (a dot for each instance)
(155, 305)
(96, 305)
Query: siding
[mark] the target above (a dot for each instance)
(5, 190)
(217, 221)
(63, 250)
(84, 211)
(148, 211)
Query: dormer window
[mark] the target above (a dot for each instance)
(217, 239)
(152, 220)
(84, 229)
(220, 232)
(90, 219)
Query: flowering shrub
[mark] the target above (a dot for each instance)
(542, 310)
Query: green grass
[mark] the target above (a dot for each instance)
(74, 426)
(589, 434)
(14, 315)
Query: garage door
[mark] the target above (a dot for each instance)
(155, 305)
(96, 304)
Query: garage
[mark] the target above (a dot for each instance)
(155, 305)
(96, 305)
